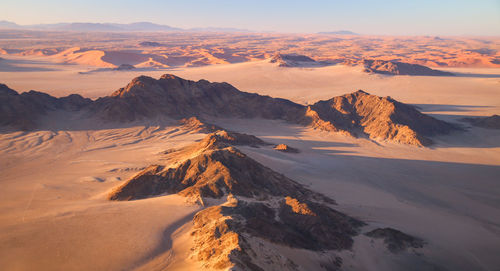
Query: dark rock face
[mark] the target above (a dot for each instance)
(124, 67)
(395, 240)
(293, 60)
(21, 111)
(220, 134)
(296, 224)
(491, 122)
(234, 138)
(360, 113)
(355, 114)
(261, 205)
(216, 171)
(196, 125)
(400, 68)
(173, 96)
(287, 222)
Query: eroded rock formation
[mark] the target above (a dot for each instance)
(22, 111)
(360, 113)
(400, 68)
(355, 114)
(262, 206)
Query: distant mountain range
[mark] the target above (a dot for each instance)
(341, 32)
(112, 27)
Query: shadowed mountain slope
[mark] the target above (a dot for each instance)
(263, 208)
(360, 113)
(355, 114)
(400, 68)
(176, 97)
(293, 60)
(21, 111)
(212, 168)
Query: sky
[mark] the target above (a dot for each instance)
(384, 17)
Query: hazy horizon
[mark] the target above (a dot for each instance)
(364, 17)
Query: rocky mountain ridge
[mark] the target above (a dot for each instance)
(21, 111)
(262, 208)
(400, 68)
(358, 114)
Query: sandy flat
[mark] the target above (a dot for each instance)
(54, 214)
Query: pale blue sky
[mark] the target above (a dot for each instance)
(423, 17)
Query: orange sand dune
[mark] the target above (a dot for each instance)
(199, 49)
(76, 55)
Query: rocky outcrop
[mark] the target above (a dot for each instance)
(212, 168)
(262, 206)
(196, 125)
(21, 111)
(491, 122)
(355, 114)
(170, 95)
(294, 60)
(285, 148)
(395, 240)
(400, 68)
(230, 235)
(234, 138)
(124, 67)
(362, 114)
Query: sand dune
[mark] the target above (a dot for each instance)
(76, 55)
(207, 48)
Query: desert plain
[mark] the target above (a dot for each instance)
(55, 212)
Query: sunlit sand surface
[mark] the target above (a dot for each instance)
(53, 208)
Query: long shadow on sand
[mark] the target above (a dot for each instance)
(449, 186)
(449, 107)
(477, 75)
(20, 65)
(469, 137)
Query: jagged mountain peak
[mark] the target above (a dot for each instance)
(213, 168)
(355, 114)
(360, 113)
(5, 90)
